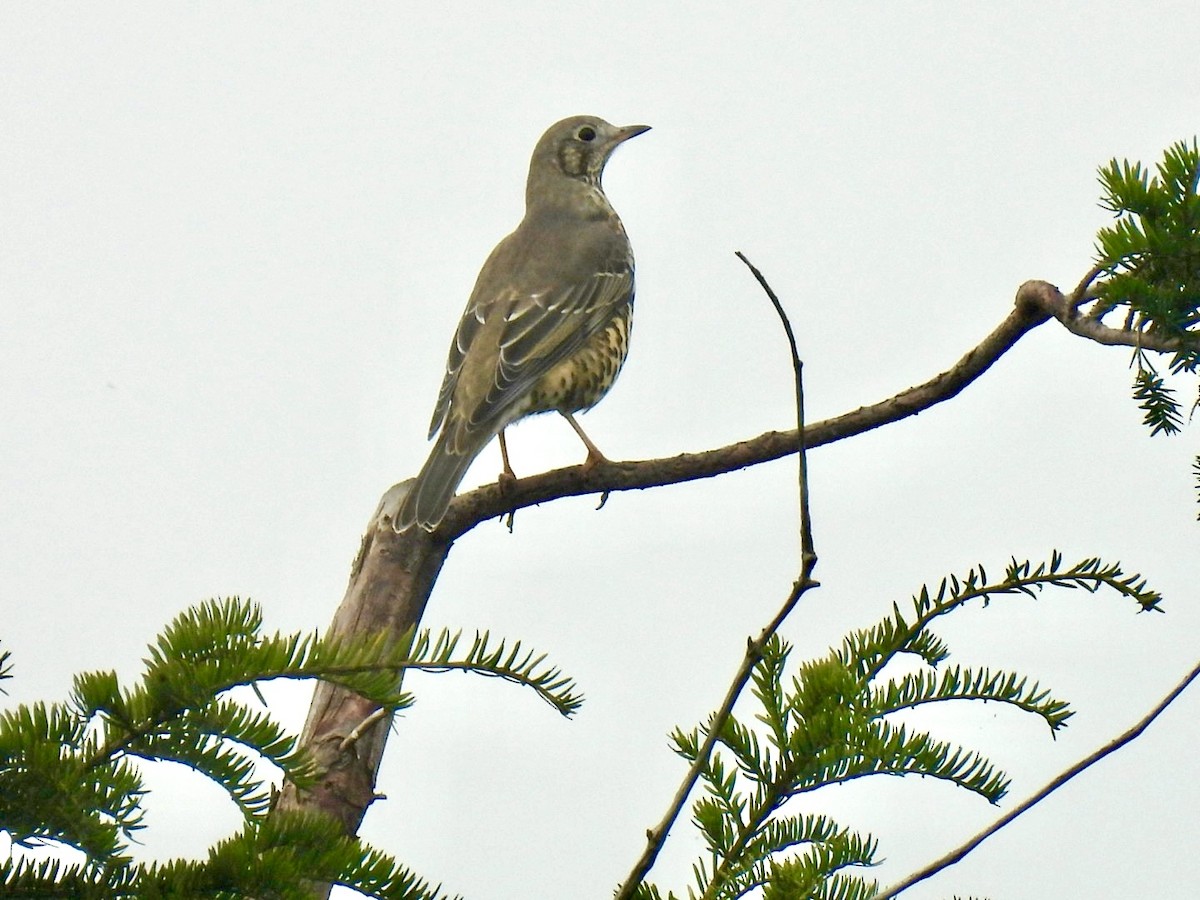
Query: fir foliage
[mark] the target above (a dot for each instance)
(1150, 260)
(515, 664)
(826, 721)
(1155, 398)
(69, 772)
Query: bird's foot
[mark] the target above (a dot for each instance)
(505, 481)
(595, 458)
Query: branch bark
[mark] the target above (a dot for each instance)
(394, 574)
(390, 583)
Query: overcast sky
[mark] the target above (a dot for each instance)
(235, 240)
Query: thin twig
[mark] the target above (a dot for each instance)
(656, 836)
(356, 735)
(806, 541)
(1080, 295)
(1116, 744)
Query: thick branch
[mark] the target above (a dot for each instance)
(390, 583)
(1036, 302)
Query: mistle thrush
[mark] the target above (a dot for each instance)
(547, 325)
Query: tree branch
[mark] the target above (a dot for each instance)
(390, 583)
(958, 853)
(1036, 302)
(392, 577)
(1090, 326)
(656, 837)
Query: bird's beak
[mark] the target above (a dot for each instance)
(624, 134)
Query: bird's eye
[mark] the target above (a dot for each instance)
(587, 133)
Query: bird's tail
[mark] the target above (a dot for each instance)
(434, 487)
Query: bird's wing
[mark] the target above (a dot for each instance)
(524, 318)
(543, 329)
(469, 327)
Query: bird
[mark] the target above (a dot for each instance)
(546, 327)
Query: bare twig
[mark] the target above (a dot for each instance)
(1081, 294)
(356, 735)
(1112, 746)
(657, 836)
(806, 539)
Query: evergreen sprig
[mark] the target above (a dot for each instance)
(432, 653)
(1155, 398)
(1150, 257)
(828, 722)
(69, 773)
(280, 857)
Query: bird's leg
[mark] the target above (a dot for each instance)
(594, 455)
(507, 477)
(508, 474)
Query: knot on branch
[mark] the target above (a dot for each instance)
(1040, 300)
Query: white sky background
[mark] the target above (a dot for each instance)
(235, 241)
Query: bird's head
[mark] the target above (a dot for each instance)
(578, 148)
